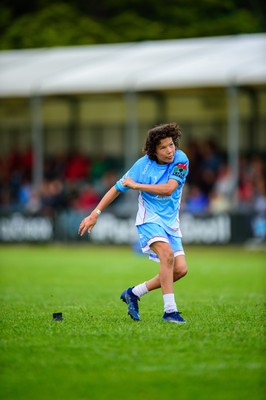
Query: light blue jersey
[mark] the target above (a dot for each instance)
(161, 210)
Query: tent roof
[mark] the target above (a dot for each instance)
(153, 65)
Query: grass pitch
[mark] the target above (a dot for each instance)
(98, 352)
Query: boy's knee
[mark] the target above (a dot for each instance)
(168, 258)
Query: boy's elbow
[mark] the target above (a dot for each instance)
(170, 188)
(167, 192)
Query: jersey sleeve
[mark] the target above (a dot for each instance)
(180, 169)
(133, 173)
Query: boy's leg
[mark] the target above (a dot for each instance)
(170, 269)
(180, 270)
(165, 281)
(166, 257)
(166, 274)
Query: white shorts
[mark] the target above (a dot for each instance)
(150, 233)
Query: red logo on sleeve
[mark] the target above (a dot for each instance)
(180, 170)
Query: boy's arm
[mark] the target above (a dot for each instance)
(162, 189)
(88, 223)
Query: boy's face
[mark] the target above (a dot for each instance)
(165, 151)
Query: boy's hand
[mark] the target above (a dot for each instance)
(87, 224)
(128, 182)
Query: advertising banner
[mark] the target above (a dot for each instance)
(211, 229)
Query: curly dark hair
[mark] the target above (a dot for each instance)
(156, 134)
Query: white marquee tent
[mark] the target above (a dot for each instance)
(185, 63)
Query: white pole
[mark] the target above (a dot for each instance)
(131, 134)
(37, 140)
(131, 149)
(233, 140)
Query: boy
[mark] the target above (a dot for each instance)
(159, 177)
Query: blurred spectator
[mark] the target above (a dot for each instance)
(244, 184)
(77, 167)
(14, 160)
(99, 168)
(108, 179)
(259, 206)
(52, 197)
(27, 161)
(75, 182)
(87, 200)
(24, 191)
(195, 162)
(218, 203)
(257, 168)
(259, 198)
(224, 183)
(34, 205)
(210, 164)
(197, 201)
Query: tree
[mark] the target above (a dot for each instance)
(46, 24)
